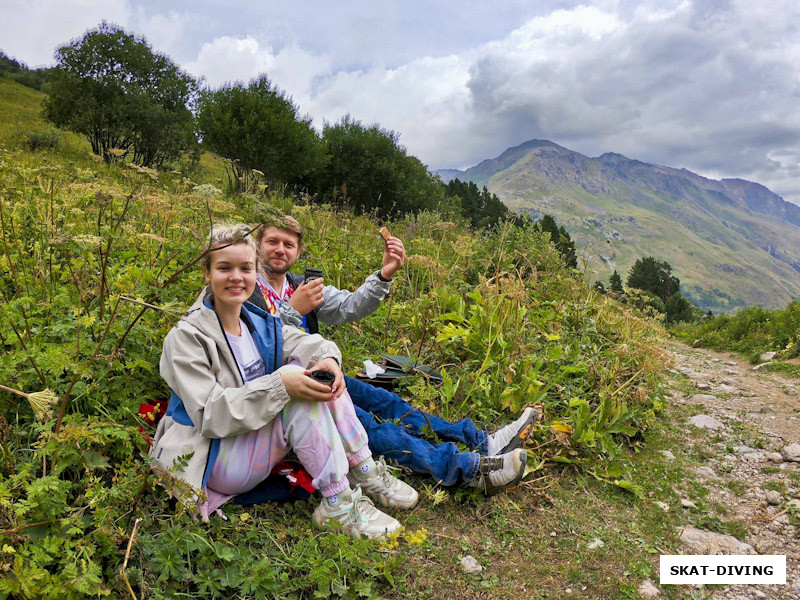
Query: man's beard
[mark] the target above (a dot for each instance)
(279, 271)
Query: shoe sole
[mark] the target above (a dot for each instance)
(389, 503)
(493, 490)
(522, 435)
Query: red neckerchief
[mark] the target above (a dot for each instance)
(271, 298)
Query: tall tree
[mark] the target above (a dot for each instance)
(259, 127)
(616, 283)
(481, 207)
(369, 170)
(561, 239)
(678, 309)
(111, 87)
(654, 276)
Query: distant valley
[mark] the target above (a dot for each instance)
(731, 242)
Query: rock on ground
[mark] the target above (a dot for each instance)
(791, 453)
(648, 589)
(470, 565)
(709, 542)
(706, 422)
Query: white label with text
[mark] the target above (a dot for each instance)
(728, 568)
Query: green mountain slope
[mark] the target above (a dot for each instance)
(731, 242)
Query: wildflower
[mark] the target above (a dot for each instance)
(41, 402)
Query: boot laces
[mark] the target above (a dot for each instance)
(362, 507)
(384, 471)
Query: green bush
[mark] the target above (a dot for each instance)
(37, 140)
(752, 331)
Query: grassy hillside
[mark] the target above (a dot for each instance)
(96, 267)
(729, 242)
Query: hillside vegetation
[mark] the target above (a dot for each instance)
(96, 265)
(752, 332)
(733, 242)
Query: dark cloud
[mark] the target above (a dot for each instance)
(710, 87)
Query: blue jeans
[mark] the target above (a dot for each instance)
(403, 444)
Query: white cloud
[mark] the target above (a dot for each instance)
(421, 100)
(164, 32)
(32, 29)
(228, 59)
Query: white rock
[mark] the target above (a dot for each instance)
(791, 452)
(686, 503)
(759, 366)
(597, 543)
(794, 503)
(706, 422)
(703, 386)
(470, 565)
(662, 505)
(767, 356)
(732, 363)
(706, 472)
(775, 457)
(703, 398)
(667, 454)
(708, 542)
(727, 389)
(697, 343)
(648, 589)
(759, 594)
(754, 456)
(774, 497)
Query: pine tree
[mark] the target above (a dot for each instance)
(654, 276)
(616, 283)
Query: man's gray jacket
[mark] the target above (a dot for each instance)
(338, 306)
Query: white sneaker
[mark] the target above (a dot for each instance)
(496, 473)
(378, 483)
(356, 513)
(513, 435)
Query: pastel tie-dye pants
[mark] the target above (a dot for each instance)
(327, 438)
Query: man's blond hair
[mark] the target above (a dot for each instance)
(286, 222)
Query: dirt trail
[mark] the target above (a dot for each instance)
(755, 415)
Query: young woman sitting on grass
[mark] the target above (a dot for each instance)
(243, 396)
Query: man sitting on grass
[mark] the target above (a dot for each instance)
(497, 460)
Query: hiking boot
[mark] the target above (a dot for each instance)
(377, 482)
(356, 513)
(513, 435)
(496, 473)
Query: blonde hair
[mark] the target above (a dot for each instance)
(285, 222)
(225, 234)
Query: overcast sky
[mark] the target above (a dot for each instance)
(710, 86)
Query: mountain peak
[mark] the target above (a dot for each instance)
(732, 241)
